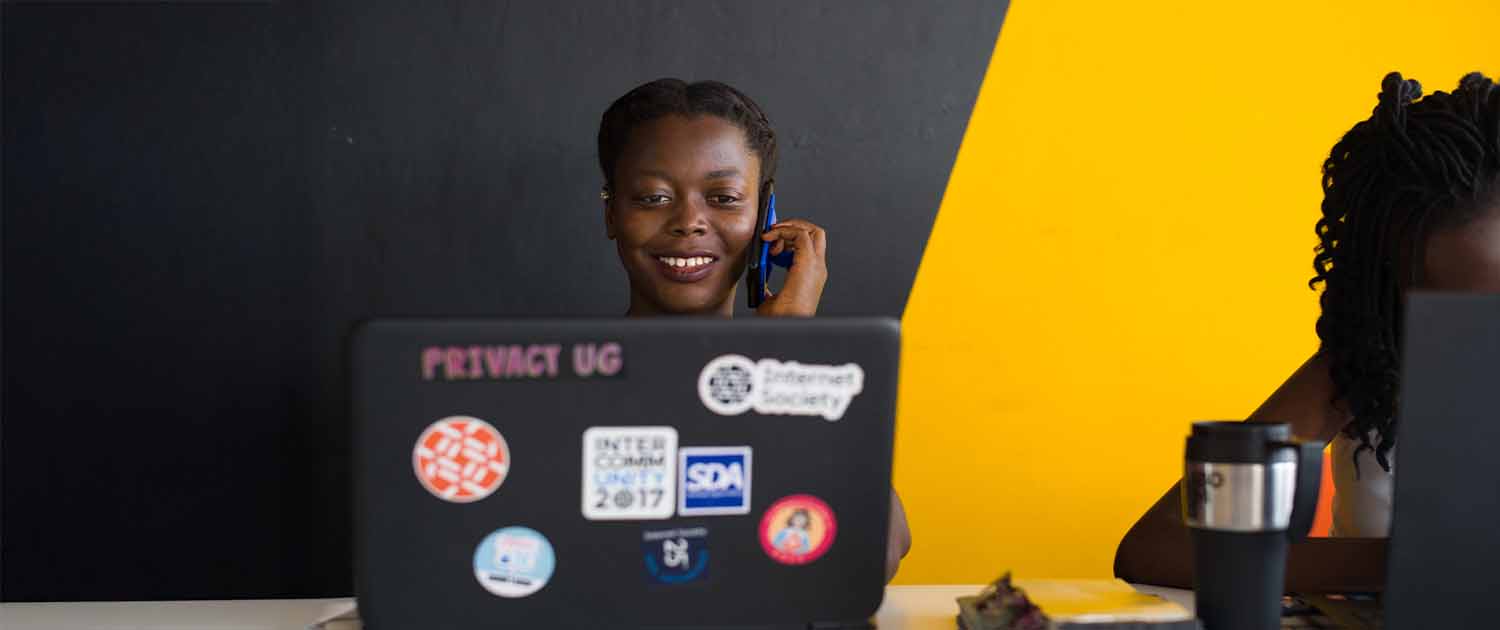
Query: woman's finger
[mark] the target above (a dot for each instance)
(783, 231)
(790, 237)
(781, 240)
(800, 235)
(802, 223)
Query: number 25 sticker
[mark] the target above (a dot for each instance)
(629, 473)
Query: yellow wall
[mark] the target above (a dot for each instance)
(1123, 248)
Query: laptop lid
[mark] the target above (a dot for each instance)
(622, 473)
(1444, 547)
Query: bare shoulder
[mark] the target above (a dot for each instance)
(1306, 401)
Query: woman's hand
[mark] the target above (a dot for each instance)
(803, 288)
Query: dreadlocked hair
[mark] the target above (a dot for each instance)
(1416, 164)
(668, 97)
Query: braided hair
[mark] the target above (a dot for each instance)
(1417, 164)
(668, 97)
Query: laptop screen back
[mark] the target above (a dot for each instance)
(622, 473)
(1445, 545)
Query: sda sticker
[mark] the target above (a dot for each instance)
(514, 562)
(733, 384)
(675, 556)
(461, 459)
(715, 480)
(629, 473)
(797, 529)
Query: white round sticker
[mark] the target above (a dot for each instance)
(514, 562)
(727, 385)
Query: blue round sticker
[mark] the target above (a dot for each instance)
(675, 556)
(514, 562)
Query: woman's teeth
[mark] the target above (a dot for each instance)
(696, 261)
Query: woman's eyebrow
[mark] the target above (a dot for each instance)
(722, 173)
(655, 173)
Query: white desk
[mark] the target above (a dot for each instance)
(268, 614)
(905, 608)
(933, 608)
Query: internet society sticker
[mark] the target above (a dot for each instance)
(461, 459)
(514, 562)
(715, 480)
(797, 529)
(675, 556)
(629, 473)
(731, 384)
(727, 384)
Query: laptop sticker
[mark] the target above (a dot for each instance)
(732, 384)
(517, 362)
(797, 529)
(675, 556)
(714, 480)
(514, 562)
(629, 473)
(461, 459)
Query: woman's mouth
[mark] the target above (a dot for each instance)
(686, 268)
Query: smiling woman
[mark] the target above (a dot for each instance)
(686, 168)
(682, 211)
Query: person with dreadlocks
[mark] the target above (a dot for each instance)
(1411, 200)
(685, 166)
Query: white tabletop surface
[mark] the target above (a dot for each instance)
(905, 608)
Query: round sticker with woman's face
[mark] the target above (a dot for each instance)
(797, 529)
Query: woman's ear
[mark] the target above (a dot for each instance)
(609, 217)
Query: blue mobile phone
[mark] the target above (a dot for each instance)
(758, 271)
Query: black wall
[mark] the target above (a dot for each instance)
(199, 199)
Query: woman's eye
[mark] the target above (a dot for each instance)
(723, 200)
(653, 200)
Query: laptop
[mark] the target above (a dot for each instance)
(1444, 547)
(645, 473)
(1445, 532)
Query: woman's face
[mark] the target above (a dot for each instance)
(682, 212)
(1465, 258)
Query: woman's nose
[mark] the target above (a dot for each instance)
(690, 219)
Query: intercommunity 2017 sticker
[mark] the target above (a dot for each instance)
(733, 384)
(514, 562)
(797, 529)
(629, 473)
(461, 459)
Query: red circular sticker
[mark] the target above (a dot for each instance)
(797, 529)
(461, 459)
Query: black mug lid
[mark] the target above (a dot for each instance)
(1240, 442)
